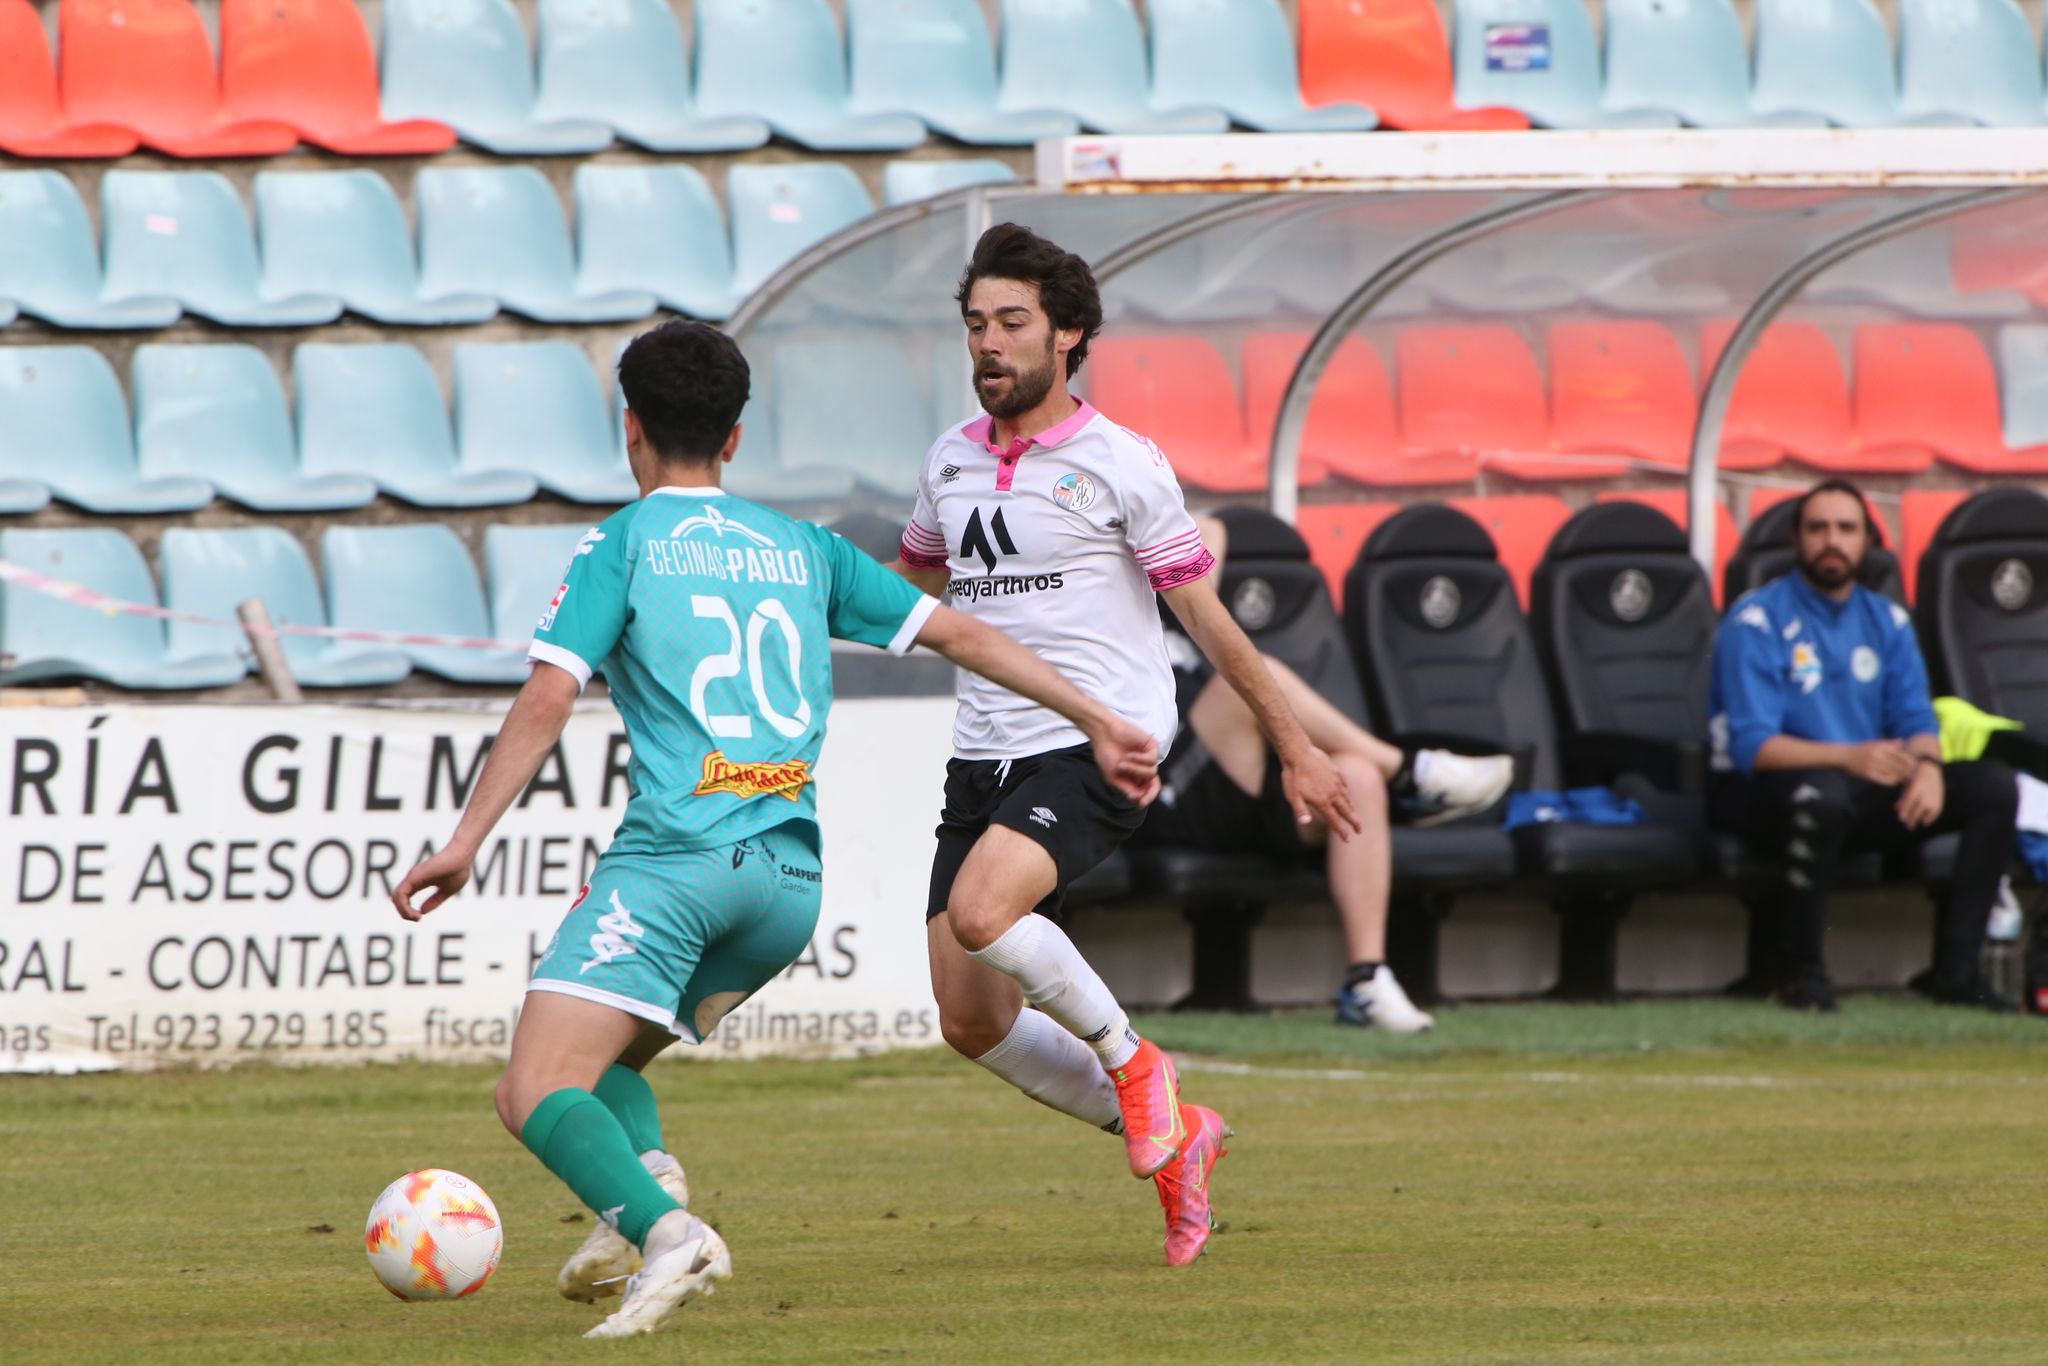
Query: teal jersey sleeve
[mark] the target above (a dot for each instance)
(589, 612)
(868, 602)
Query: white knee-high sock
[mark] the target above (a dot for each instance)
(1058, 980)
(1054, 1068)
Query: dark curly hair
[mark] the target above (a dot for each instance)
(1870, 528)
(687, 383)
(1066, 287)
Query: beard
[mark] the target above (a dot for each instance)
(1027, 390)
(1828, 570)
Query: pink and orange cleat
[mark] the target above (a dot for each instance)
(1184, 1185)
(1148, 1094)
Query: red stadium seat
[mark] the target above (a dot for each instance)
(1673, 504)
(1392, 55)
(1334, 532)
(1178, 391)
(1792, 398)
(1521, 528)
(32, 123)
(1622, 386)
(147, 65)
(1350, 421)
(1921, 513)
(1476, 391)
(1923, 389)
(308, 63)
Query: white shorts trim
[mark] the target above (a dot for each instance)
(906, 635)
(660, 1015)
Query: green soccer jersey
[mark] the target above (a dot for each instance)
(711, 618)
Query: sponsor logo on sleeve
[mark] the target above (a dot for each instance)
(547, 618)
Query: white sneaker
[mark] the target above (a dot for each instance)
(1379, 1003)
(1459, 784)
(689, 1270)
(599, 1268)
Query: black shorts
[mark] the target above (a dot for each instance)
(1199, 807)
(1059, 798)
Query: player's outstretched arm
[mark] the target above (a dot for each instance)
(932, 581)
(530, 730)
(1311, 779)
(1127, 755)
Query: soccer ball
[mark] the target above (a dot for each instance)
(433, 1235)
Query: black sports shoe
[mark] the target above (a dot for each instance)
(1816, 994)
(1972, 990)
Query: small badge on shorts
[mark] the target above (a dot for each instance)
(1044, 817)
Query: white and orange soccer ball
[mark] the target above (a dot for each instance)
(433, 1235)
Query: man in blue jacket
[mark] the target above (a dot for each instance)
(1825, 740)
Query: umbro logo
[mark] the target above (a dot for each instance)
(949, 474)
(1044, 817)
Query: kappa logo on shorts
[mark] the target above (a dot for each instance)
(612, 932)
(1044, 817)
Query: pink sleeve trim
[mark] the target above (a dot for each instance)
(1171, 549)
(1187, 571)
(918, 559)
(923, 538)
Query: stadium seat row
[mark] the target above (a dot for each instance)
(130, 71)
(325, 241)
(416, 580)
(212, 421)
(1618, 394)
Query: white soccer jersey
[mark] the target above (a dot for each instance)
(1061, 542)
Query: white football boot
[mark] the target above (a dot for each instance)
(688, 1270)
(1455, 785)
(599, 1268)
(1379, 1003)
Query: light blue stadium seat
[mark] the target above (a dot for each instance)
(656, 229)
(1970, 59)
(933, 59)
(779, 209)
(535, 407)
(1687, 56)
(523, 568)
(418, 580)
(64, 429)
(2023, 383)
(757, 471)
(1538, 56)
(819, 383)
(213, 571)
(500, 231)
(1087, 58)
(1239, 54)
(49, 638)
(217, 413)
(621, 63)
(1827, 57)
(51, 265)
(783, 61)
(906, 181)
(343, 233)
(185, 234)
(466, 63)
(376, 412)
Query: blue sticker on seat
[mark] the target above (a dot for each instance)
(1518, 47)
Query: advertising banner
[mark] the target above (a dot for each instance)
(201, 884)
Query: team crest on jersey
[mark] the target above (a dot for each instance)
(1805, 667)
(1074, 492)
(753, 780)
(718, 524)
(547, 618)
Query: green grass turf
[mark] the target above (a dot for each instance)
(1671, 1182)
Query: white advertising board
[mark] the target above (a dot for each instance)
(201, 884)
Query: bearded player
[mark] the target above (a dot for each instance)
(1047, 520)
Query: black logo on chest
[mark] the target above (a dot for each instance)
(974, 541)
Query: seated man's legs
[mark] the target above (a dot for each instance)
(1980, 800)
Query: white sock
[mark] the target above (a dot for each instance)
(1058, 980)
(656, 1161)
(1054, 1068)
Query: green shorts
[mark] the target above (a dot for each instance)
(681, 939)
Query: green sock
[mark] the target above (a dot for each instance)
(627, 1095)
(581, 1141)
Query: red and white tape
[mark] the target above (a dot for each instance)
(100, 602)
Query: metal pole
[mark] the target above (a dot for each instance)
(270, 660)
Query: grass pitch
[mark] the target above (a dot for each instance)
(1683, 1182)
